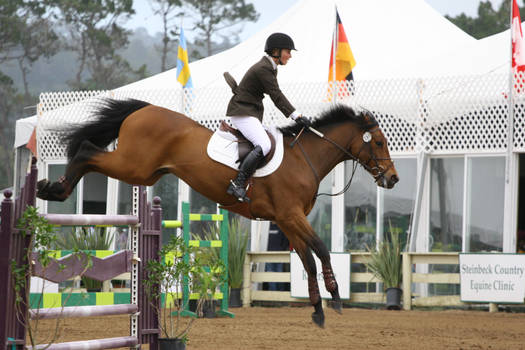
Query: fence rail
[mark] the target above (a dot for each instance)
(410, 260)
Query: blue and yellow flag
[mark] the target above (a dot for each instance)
(183, 65)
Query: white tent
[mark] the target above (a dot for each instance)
(23, 130)
(388, 38)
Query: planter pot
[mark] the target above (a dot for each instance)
(235, 297)
(208, 309)
(393, 298)
(171, 344)
(192, 305)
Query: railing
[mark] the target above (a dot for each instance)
(409, 277)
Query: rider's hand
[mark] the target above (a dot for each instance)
(305, 122)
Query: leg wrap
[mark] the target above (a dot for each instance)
(329, 279)
(313, 290)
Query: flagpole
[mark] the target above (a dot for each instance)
(510, 126)
(334, 60)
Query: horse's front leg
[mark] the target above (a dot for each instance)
(313, 287)
(297, 228)
(330, 283)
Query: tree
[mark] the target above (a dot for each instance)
(213, 16)
(95, 34)
(26, 35)
(168, 10)
(11, 103)
(488, 22)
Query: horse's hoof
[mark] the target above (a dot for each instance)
(337, 306)
(51, 191)
(42, 187)
(318, 319)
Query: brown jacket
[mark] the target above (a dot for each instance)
(247, 98)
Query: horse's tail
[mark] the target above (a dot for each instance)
(104, 128)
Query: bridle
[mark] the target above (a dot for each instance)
(367, 138)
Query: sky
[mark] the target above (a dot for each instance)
(271, 9)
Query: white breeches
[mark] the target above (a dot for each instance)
(253, 130)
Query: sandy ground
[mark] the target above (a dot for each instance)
(291, 328)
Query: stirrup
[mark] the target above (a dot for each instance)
(232, 190)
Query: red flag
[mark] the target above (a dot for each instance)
(518, 49)
(344, 58)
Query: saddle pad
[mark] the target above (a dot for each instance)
(223, 149)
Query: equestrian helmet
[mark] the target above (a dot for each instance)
(278, 41)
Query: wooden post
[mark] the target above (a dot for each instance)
(493, 307)
(247, 282)
(407, 281)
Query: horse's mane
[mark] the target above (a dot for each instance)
(335, 115)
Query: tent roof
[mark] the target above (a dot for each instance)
(388, 39)
(23, 129)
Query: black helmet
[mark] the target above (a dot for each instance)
(278, 41)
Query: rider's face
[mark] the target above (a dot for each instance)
(286, 54)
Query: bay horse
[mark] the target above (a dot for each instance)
(153, 141)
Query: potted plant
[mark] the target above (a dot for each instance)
(209, 276)
(385, 264)
(237, 246)
(179, 265)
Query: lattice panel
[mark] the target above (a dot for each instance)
(467, 113)
(519, 113)
(443, 115)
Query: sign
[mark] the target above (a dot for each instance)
(299, 277)
(498, 277)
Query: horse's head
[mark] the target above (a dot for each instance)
(370, 149)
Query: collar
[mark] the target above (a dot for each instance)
(274, 65)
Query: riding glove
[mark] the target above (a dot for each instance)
(305, 122)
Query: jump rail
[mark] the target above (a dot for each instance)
(145, 225)
(108, 343)
(83, 311)
(91, 220)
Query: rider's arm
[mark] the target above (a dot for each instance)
(269, 81)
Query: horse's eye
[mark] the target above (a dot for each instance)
(379, 143)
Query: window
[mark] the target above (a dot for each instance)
(321, 215)
(167, 188)
(94, 193)
(446, 204)
(484, 229)
(360, 209)
(69, 206)
(398, 202)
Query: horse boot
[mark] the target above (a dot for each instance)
(248, 166)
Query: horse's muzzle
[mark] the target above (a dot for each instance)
(386, 181)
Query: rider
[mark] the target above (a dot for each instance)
(246, 107)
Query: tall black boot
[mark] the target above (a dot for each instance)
(248, 166)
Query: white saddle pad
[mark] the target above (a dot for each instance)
(223, 148)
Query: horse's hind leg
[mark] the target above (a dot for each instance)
(77, 167)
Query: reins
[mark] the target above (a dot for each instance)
(380, 172)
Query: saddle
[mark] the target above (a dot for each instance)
(244, 146)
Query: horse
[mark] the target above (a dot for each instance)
(153, 141)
